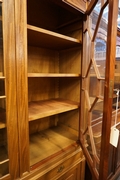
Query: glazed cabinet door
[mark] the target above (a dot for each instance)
(8, 108)
(97, 112)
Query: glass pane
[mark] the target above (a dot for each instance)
(118, 20)
(94, 94)
(100, 43)
(94, 16)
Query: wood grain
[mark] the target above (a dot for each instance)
(10, 86)
(40, 109)
(42, 60)
(21, 87)
(52, 75)
(50, 142)
(44, 38)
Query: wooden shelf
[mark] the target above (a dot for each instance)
(52, 75)
(2, 77)
(3, 155)
(2, 118)
(48, 39)
(2, 124)
(41, 109)
(2, 97)
(49, 142)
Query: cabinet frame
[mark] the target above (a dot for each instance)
(22, 82)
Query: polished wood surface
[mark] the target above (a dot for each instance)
(40, 109)
(51, 142)
(48, 66)
(9, 55)
(52, 75)
(44, 38)
(61, 165)
(21, 90)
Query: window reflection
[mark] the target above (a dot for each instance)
(94, 16)
(100, 43)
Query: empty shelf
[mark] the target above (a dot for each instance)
(50, 141)
(3, 155)
(52, 75)
(45, 38)
(41, 109)
(2, 124)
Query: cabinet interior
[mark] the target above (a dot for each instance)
(54, 76)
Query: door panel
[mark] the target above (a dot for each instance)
(97, 71)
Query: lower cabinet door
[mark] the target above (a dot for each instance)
(70, 167)
(76, 173)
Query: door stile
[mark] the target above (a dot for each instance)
(22, 96)
(10, 86)
(109, 85)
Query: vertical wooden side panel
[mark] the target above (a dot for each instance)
(109, 85)
(10, 85)
(22, 92)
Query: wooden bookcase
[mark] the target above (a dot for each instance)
(49, 70)
(46, 55)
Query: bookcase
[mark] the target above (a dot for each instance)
(46, 57)
(49, 103)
